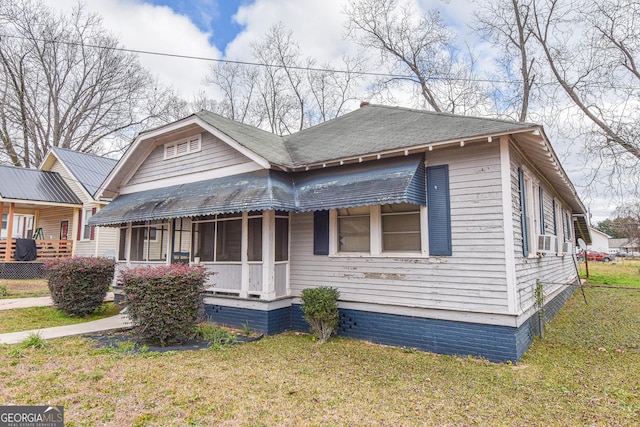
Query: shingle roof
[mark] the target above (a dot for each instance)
(34, 185)
(376, 128)
(367, 130)
(90, 170)
(265, 144)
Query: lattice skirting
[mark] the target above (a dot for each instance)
(22, 270)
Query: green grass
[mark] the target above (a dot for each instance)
(24, 319)
(624, 272)
(584, 372)
(24, 288)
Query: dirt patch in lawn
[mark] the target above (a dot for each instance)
(127, 342)
(25, 288)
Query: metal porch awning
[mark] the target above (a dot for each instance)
(393, 180)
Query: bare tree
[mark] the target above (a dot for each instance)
(592, 49)
(417, 49)
(507, 24)
(283, 92)
(64, 83)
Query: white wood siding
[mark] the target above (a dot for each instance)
(74, 185)
(215, 154)
(551, 269)
(472, 279)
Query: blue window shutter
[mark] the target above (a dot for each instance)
(523, 214)
(555, 219)
(541, 197)
(321, 233)
(439, 210)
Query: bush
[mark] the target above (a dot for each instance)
(320, 307)
(164, 301)
(78, 285)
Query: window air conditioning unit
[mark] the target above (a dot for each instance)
(547, 244)
(567, 248)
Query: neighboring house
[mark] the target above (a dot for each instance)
(624, 245)
(435, 228)
(52, 205)
(600, 240)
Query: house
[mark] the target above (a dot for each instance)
(52, 205)
(600, 240)
(435, 228)
(625, 245)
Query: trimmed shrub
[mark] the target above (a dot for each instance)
(78, 285)
(320, 308)
(164, 301)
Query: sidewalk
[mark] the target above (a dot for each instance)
(113, 323)
(11, 303)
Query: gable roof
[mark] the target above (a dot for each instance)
(34, 185)
(373, 129)
(89, 170)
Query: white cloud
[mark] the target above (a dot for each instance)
(142, 26)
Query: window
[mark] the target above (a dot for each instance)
(354, 226)
(282, 236)
(254, 229)
(3, 228)
(87, 231)
(122, 248)
(375, 230)
(183, 147)
(401, 228)
(143, 249)
(219, 239)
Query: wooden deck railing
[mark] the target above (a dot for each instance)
(46, 249)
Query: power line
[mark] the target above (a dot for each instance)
(256, 64)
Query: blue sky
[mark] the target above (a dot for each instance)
(226, 29)
(215, 17)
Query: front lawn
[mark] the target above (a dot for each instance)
(580, 374)
(622, 272)
(24, 288)
(24, 319)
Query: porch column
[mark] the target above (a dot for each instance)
(12, 207)
(268, 255)
(72, 231)
(244, 256)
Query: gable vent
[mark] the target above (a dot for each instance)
(183, 147)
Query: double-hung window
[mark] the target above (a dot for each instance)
(379, 229)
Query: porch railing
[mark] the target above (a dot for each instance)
(45, 249)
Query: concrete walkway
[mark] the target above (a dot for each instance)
(113, 323)
(11, 303)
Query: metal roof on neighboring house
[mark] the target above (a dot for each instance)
(394, 180)
(34, 185)
(89, 169)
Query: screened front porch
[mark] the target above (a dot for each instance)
(247, 253)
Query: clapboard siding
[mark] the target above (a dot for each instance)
(551, 270)
(49, 220)
(73, 184)
(107, 241)
(215, 154)
(472, 279)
